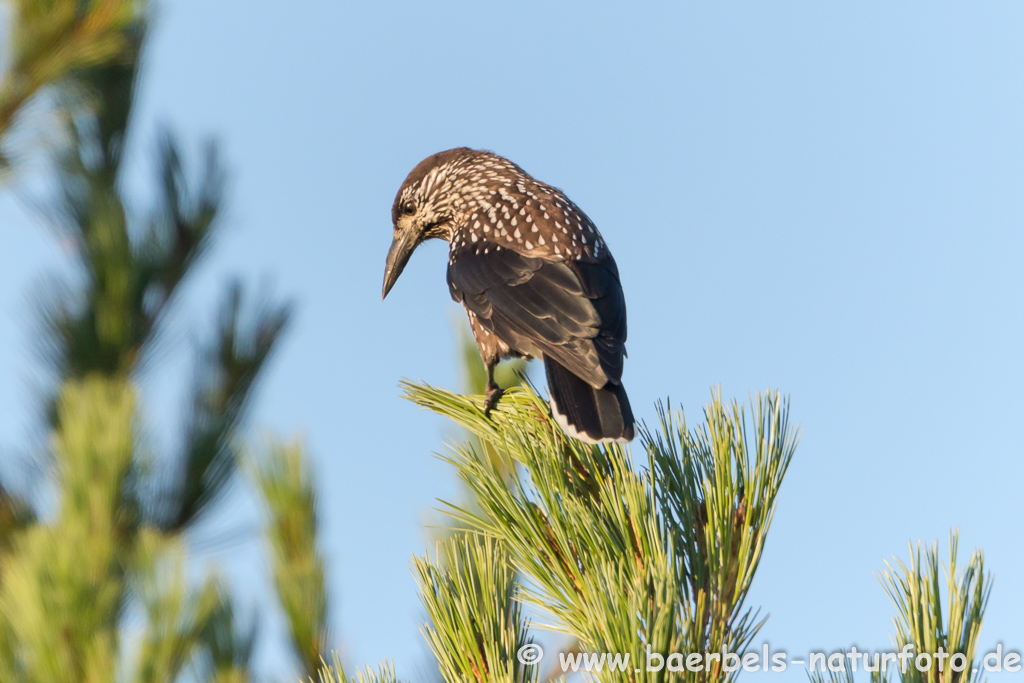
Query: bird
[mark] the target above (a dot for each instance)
(535, 276)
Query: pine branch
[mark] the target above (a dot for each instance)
(227, 647)
(177, 616)
(285, 482)
(226, 378)
(68, 585)
(54, 39)
(64, 585)
(335, 673)
(620, 559)
(130, 276)
(716, 488)
(918, 592)
(15, 516)
(476, 628)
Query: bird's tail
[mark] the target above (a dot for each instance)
(586, 413)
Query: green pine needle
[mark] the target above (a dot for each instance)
(335, 673)
(286, 484)
(622, 559)
(920, 590)
(476, 627)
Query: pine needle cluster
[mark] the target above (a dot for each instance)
(97, 577)
(657, 560)
(648, 560)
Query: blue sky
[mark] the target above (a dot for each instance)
(821, 198)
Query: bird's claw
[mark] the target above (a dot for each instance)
(494, 392)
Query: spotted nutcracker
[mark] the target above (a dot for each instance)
(535, 276)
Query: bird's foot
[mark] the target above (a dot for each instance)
(494, 392)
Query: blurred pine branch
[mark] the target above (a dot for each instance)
(50, 41)
(68, 578)
(99, 586)
(284, 478)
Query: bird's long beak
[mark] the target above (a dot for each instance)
(398, 255)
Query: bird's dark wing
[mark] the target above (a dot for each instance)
(600, 282)
(571, 311)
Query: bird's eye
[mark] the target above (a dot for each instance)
(408, 208)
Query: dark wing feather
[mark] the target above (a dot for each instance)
(601, 285)
(571, 311)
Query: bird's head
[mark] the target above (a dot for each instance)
(424, 208)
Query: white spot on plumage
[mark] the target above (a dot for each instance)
(529, 244)
(518, 234)
(540, 241)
